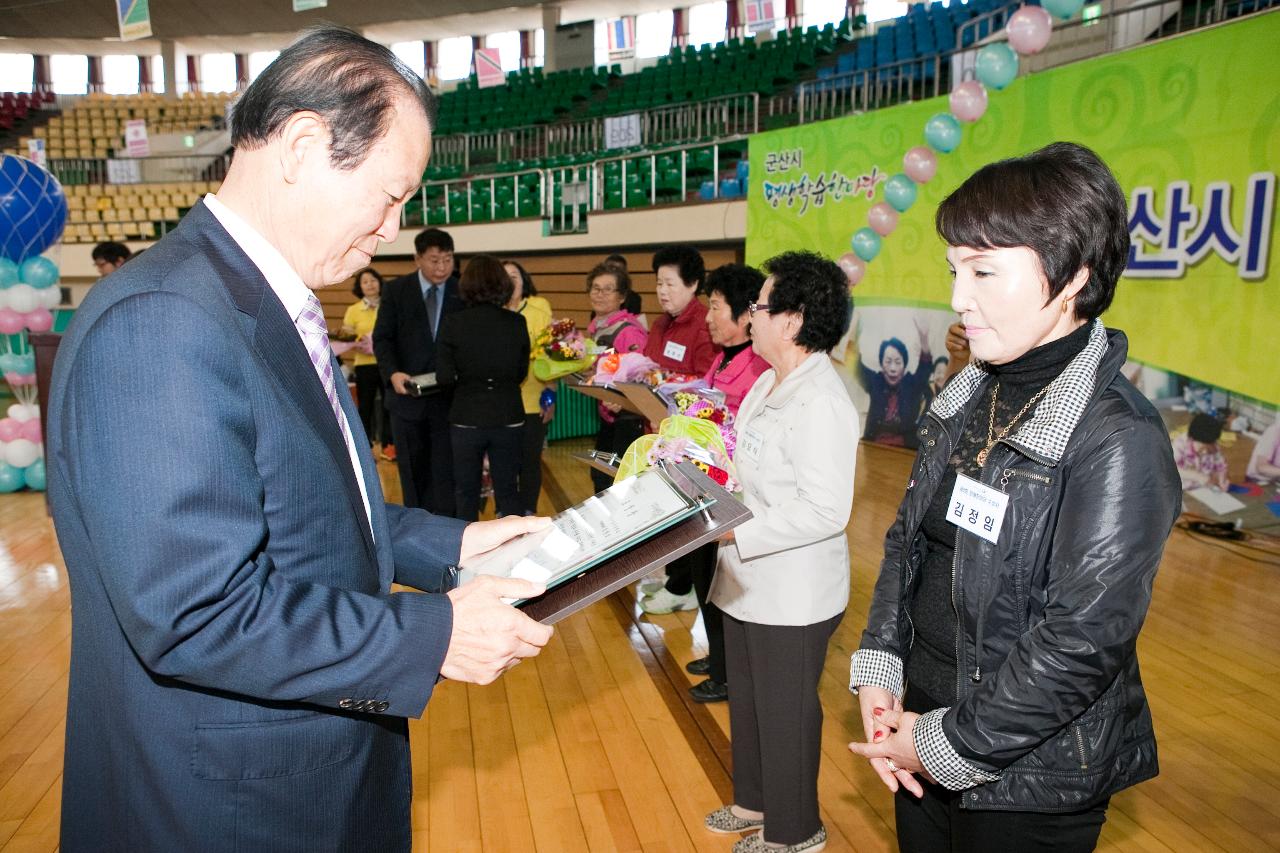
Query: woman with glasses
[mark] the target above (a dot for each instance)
(782, 581)
(614, 327)
(998, 674)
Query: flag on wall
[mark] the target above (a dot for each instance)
(488, 64)
(135, 19)
(759, 15)
(622, 38)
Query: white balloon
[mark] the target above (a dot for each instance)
(20, 452)
(23, 298)
(51, 297)
(24, 412)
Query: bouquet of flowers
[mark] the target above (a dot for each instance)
(561, 349)
(699, 400)
(621, 367)
(681, 437)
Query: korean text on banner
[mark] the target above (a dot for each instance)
(137, 144)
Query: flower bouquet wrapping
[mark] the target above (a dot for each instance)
(622, 367)
(561, 349)
(681, 437)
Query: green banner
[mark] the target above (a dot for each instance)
(1190, 125)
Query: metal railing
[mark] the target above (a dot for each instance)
(727, 115)
(655, 188)
(140, 170)
(927, 77)
(441, 194)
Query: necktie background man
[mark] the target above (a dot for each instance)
(240, 671)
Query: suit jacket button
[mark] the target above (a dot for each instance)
(345, 704)
(382, 706)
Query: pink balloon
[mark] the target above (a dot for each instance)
(20, 379)
(30, 430)
(39, 320)
(11, 322)
(882, 218)
(969, 99)
(920, 164)
(854, 268)
(9, 429)
(1029, 29)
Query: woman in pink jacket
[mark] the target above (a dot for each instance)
(614, 327)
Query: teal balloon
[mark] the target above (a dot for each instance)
(997, 65)
(900, 192)
(8, 273)
(11, 479)
(942, 132)
(39, 272)
(24, 363)
(865, 244)
(10, 362)
(1062, 9)
(33, 475)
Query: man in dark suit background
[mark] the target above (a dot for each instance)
(404, 341)
(240, 670)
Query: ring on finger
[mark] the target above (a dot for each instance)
(893, 768)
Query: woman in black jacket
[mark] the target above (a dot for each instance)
(483, 352)
(1019, 570)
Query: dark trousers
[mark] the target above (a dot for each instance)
(535, 434)
(470, 445)
(615, 437)
(775, 721)
(937, 823)
(425, 459)
(369, 399)
(695, 571)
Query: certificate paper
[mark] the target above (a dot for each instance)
(589, 533)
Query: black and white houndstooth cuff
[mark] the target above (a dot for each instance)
(940, 758)
(874, 668)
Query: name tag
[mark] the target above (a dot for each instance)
(977, 508)
(674, 351)
(750, 444)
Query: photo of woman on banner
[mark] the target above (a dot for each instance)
(896, 395)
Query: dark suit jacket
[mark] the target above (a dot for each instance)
(240, 672)
(484, 354)
(403, 343)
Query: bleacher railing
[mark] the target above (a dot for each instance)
(927, 77)
(139, 170)
(728, 115)
(439, 195)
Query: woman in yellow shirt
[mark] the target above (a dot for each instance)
(537, 316)
(358, 322)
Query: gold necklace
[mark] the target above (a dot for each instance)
(992, 437)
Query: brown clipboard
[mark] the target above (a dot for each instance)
(603, 393)
(716, 519)
(605, 463)
(645, 401)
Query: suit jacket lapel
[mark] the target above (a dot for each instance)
(381, 544)
(277, 342)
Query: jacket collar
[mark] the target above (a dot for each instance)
(782, 395)
(1046, 433)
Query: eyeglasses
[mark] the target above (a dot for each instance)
(753, 307)
(603, 290)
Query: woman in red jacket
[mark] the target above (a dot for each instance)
(678, 340)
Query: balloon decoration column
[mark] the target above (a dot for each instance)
(33, 212)
(996, 66)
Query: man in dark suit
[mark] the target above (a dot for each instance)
(240, 671)
(404, 340)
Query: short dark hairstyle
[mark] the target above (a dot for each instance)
(815, 288)
(1063, 203)
(687, 261)
(896, 344)
(632, 303)
(1205, 429)
(616, 260)
(620, 276)
(432, 238)
(350, 82)
(526, 280)
(738, 284)
(357, 289)
(485, 282)
(112, 253)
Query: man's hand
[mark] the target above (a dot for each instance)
(399, 382)
(489, 636)
(481, 536)
(548, 413)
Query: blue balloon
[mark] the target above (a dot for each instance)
(942, 132)
(11, 479)
(865, 244)
(10, 362)
(1062, 9)
(34, 475)
(8, 273)
(39, 272)
(900, 192)
(997, 65)
(33, 208)
(24, 363)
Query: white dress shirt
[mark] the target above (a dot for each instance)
(292, 293)
(796, 452)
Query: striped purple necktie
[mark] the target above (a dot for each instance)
(315, 335)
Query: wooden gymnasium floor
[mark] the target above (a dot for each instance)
(596, 746)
